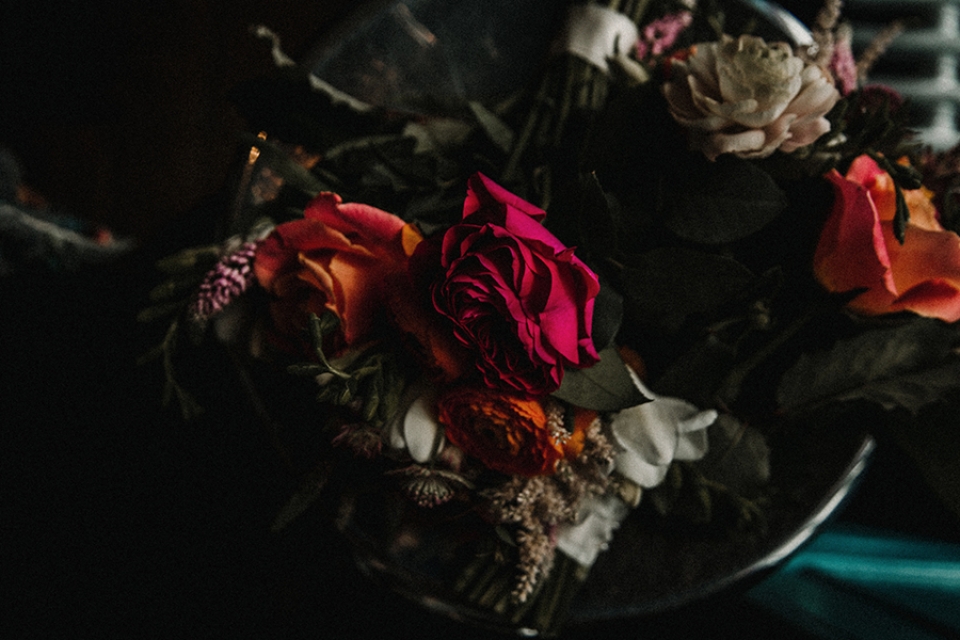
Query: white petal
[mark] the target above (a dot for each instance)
(394, 428)
(421, 429)
(393, 432)
(818, 96)
(643, 431)
(736, 143)
(693, 445)
(635, 468)
(653, 434)
(599, 517)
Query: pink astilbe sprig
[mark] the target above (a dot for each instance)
(230, 277)
(842, 63)
(658, 36)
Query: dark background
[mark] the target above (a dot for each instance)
(118, 520)
(119, 109)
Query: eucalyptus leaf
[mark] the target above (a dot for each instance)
(907, 366)
(722, 201)
(606, 386)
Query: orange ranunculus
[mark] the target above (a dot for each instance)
(506, 433)
(342, 257)
(858, 250)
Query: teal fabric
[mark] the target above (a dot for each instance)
(857, 583)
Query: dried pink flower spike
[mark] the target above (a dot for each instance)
(842, 63)
(228, 279)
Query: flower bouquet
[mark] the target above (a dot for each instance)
(640, 291)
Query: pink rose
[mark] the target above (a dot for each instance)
(517, 298)
(342, 257)
(857, 248)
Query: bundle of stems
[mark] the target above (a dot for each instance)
(490, 582)
(571, 94)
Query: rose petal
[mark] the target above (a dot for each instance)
(486, 196)
(376, 226)
(803, 132)
(817, 97)
(935, 298)
(852, 252)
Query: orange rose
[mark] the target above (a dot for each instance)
(858, 250)
(346, 258)
(506, 433)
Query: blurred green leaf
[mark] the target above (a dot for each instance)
(499, 133)
(607, 316)
(722, 201)
(909, 366)
(669, 284)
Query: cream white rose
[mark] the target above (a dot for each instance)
(749, 98)
(654, 434)
(649, 437)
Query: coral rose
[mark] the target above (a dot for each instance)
(517, 297)
(342, 257)
(858, 249)
(506, 433)
(749, 98)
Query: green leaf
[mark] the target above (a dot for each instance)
(596, 217)
(669, 284)
(161, 311)
(723, 201)
(906, 366)
(606, 386)
(305, 369)
(499, 133)
(607, 316)
(697, 374)
(902, 215)
(192, 260)
(911, 391)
